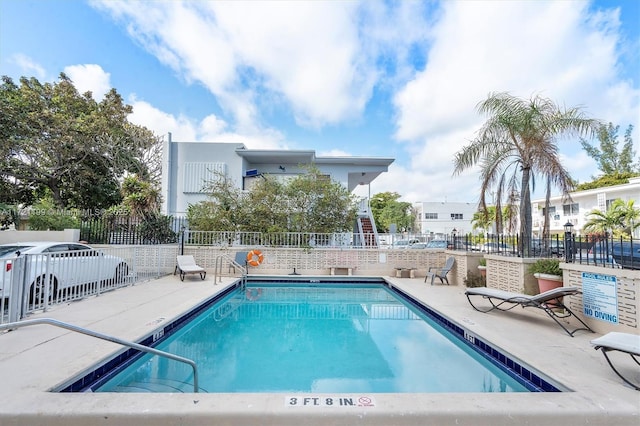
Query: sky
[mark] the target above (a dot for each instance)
(394, 79)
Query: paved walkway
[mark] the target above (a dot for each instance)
(36, 359)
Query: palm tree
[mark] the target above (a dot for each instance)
(620, 219)
(517, 142)
(630, 216)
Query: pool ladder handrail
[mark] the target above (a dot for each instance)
(142, 348)
(217, 271)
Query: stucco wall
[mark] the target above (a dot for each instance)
(511, 274)
(627, 296)
(279, 261)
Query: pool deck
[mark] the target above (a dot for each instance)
(35, 359)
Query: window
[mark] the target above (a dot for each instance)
(609, 202)
(571, 209)
(552, 210)
(431, 215)
(456, 216)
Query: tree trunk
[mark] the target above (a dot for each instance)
(525, 214)
(547, 203)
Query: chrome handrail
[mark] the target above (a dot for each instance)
(219, 264)
(142, 348)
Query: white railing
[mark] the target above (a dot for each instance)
(33, 282)
(272, 239)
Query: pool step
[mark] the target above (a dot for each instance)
(156, 386)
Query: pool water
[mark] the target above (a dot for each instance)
(319, 338)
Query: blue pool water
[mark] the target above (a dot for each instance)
(277, 337)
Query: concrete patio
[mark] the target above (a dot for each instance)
(35, 359)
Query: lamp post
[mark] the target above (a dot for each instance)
(454, 233)
(568, 242)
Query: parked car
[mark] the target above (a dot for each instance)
(494, 248)
(403, 244)
(58, 265)
(418, 246)
(552, 247)
(438, 244)
(626, 254)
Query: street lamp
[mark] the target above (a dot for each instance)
(568, 242)
(454, 233)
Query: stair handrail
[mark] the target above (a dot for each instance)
(77, 329)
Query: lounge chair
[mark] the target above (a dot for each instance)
(441, 273)
(187, 265)
(549, 301)
(240, 260)
(622, 342)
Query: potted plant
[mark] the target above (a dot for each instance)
(482, 266)
(548, 273)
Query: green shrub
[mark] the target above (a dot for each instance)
(482, 261)
(474, 279)
(546, 266)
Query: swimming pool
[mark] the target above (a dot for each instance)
(309, 336)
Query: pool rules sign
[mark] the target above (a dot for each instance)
(600, 297)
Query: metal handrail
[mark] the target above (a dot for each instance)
(142, 348)
(219, 264)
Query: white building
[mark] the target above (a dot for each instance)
(582, 203)
(442, 218)
(188, 166)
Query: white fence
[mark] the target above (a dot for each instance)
(31, 282)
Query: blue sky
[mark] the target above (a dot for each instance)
(364, 78)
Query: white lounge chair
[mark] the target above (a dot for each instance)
(549, 301)
(187, 265)
(622, 342)
(441, 273)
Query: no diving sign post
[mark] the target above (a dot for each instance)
(600, 297)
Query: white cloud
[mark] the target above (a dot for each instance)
(90, 78)
(209, 129)
(323, 61)
(316, 58)
(552, 48)
(333, 153)
(28, 65)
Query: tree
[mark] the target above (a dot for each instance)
(606, 180)
(610, 161)
(620, 219)
(307, 203)
(318, 204)
(482, 219)
(387, 210)
(517, 142)
(53, 138)
(224, 211)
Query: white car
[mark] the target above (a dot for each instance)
(59, 265)
(403, 244)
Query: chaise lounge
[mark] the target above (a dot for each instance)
(549, 301)
(622, 342)
(187, 265)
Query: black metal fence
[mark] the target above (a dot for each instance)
(130, 230)
(600, 250)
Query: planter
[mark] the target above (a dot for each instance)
(548, 282)
(483, 270)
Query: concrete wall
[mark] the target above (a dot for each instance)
(627, 296)
(281, 261)
(12, 236)
(511, 274)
